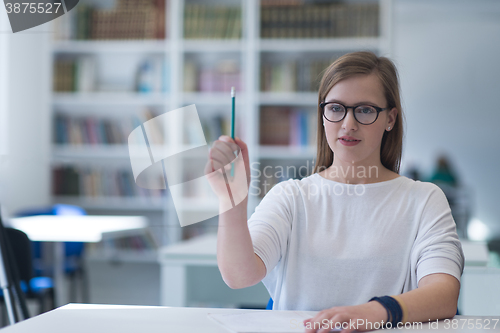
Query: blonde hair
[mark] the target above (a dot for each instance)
(357, 63)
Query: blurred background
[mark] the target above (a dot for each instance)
(72, 90)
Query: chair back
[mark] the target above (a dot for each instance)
(22, 253)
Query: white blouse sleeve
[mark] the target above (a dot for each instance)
(437, 247)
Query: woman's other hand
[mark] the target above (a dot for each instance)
(363, 317)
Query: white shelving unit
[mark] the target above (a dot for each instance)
(248, 53)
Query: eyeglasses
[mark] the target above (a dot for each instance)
(364, 114)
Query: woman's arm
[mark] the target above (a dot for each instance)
(435, 298)
(240, 267)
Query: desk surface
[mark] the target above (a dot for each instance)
(476, 253)
(86, 318)
(80, 228)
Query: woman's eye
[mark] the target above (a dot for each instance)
(336, 108)
(365, 109)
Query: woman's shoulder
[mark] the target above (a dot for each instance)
(421, 188)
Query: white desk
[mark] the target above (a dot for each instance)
(85, 318)
(64, 228)
(476, 253)
(174, 260)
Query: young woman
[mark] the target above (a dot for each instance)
(355, 232)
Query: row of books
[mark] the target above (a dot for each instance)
(71, 75)
(213, 127)
(79, 75)
(129, 19)
(287, 126)
(264, 3)
(292, 75)
(211, 22)
(221, 77)
(321, 20)
(142, 242)
(89, 130)
(94, 182)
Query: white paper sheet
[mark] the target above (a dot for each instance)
(266, 321)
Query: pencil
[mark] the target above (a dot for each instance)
(233, 98)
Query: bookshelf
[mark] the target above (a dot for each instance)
(107, 81)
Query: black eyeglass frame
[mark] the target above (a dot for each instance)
(346, 108)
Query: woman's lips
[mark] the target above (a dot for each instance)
(351, 142)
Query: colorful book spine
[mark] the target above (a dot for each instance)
(288, 126)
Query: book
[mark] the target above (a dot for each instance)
(274, 126)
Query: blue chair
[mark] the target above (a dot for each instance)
(270, 304)
(73, 251)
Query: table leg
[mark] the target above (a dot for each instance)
(173, 285)
(59, 281)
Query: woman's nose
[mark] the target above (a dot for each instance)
(349, 122)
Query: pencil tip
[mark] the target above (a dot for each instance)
(232, 91)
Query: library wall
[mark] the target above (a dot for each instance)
(449, 76)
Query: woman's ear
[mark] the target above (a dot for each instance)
(391, 117)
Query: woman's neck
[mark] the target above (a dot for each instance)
(358, 173)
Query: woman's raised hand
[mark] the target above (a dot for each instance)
(219, 162)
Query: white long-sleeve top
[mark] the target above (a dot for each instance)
(326, 243)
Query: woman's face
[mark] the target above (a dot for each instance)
(356, 90)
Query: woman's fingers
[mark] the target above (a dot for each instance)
(222, 152)
(221, 157)
(228, 145)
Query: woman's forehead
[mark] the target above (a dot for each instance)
(358, 88)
